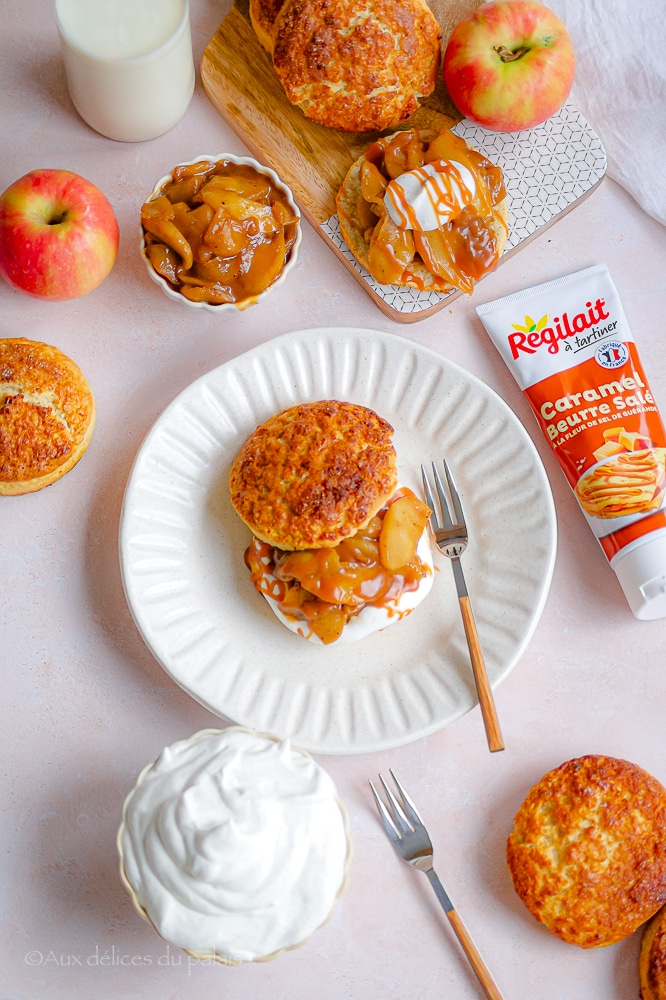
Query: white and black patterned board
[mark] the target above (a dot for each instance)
(547, 170)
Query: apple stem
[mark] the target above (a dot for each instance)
(507, 55)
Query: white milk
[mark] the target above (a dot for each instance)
(129, 64)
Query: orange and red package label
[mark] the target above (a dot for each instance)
(570, 348)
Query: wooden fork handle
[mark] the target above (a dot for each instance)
(490, 720)
(473, 956)
(461, 932)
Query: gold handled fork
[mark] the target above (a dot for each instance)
(451, 538)
(407, 832)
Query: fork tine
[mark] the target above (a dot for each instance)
(430, 500)
(410, 809)
(455, 496)
(443, 499)
(389, 826)
(399, 818)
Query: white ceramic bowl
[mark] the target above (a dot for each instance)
(169, 289)
(194, 853)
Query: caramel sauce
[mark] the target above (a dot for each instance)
(325, 586)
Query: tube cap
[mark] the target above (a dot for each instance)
(641, 571)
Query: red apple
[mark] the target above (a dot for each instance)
(509, 65)
(58, 235)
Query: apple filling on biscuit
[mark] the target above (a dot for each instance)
(320, 590)
(430, 214)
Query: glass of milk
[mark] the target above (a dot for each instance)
(129, 64)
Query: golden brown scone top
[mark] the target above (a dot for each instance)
(652, 959)
(587, 853)
(357, 66)
(47, 415)
(263, 15)
(314, 474)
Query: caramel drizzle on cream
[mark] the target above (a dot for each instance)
(444, 187)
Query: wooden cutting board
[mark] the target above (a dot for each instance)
(238, 77)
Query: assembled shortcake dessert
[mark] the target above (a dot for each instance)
(339, 548)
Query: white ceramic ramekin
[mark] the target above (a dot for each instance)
(173, 293)
(140, 896)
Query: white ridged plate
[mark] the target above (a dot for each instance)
(182, 545)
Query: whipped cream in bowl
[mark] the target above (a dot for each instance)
(234, 845)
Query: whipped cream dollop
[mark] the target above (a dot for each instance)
(430, 196)
(234, 844)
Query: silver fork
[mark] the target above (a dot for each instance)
(451, 537)
(406, 831)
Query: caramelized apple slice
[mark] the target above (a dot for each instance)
(165, 261)
(284, 216)
(192, 223)
(446, 146)
(402, 528)
(215, 271)
(184, 170)
(185, 190)
(391, 250)
(215, 294)
(266, 263)
(403, 153)
(157, 208)
(437, 252)
(323, 573)
(367, 218)
(164, 229)
(319, 573)
(329, 623)
(287, 222)
(241, 209)
(359, 549)
(256, 188)
(373, 183)
(224, 236)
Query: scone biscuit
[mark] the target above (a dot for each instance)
(263, 15)
(587, 853)
(415, 274)
(357, 65)
(47, 415)
(314, 474)
(652, 959)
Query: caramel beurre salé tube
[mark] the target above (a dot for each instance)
(569, 346)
